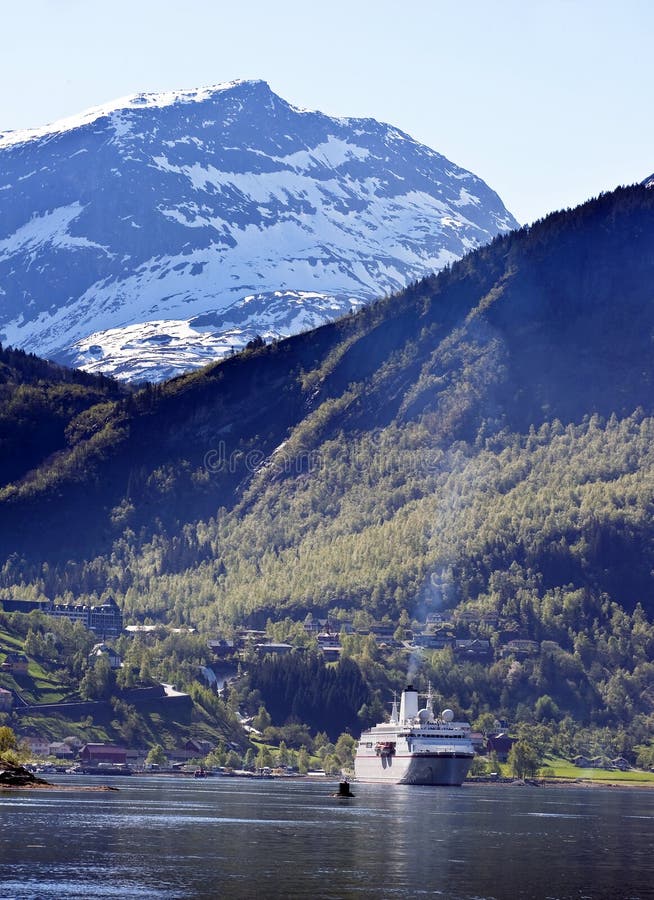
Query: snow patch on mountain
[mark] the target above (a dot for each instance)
(173, 347)
(49, 229)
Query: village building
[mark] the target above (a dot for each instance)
(274, 649)
(221, 647)
(245, 637)
(600, 762)
(327, 638)
(331, 653)
(583, 762)
(520, 647)
(500, 744)
(104, 619)
(383, 632)
(6, 700)
(22, 606)
(37, 745)
(103, 650)
(438, 641)
(474, 648)
(199, 746)
(94, 754)
(142, 629)
(195, 748)
(61, 750)
(15, 663)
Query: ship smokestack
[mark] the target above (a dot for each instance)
(408, 704)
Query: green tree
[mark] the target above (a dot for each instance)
(8, 739)
(99, 680)
(282, 754)
(233, 760)
(303, 760)
(523, 759)
(216, 758)
(264, 758)
(345, 749)
(480, 766)
(33, 644)
(320, 741)
(332, 764)
(546, 709)
(156, 756)
(262, 719)
(484, 723)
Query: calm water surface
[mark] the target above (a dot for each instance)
(224, 837)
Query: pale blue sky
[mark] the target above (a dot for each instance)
(548, 100)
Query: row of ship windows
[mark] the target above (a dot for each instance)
(453, 735)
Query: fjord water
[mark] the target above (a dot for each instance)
(222, 837)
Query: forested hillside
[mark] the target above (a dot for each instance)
(38, 399)
(483, 438)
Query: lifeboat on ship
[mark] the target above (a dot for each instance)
(385, 748)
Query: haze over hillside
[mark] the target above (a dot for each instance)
(158, 233)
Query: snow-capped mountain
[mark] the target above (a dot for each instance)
(157, 233)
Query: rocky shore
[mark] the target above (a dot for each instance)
(12, 775)
(15, 777)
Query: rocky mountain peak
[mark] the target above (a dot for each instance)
(128, 228)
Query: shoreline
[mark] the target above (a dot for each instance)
(564, 783)
(87, 788)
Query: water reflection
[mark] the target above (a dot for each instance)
(227, 838)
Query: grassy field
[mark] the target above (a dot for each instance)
(563, 769)
(37, 686)
(9, 644)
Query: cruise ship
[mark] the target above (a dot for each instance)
(415, 747)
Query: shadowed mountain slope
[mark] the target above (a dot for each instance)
(494, 415)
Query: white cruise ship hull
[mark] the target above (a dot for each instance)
(414, 747)
(423, 768)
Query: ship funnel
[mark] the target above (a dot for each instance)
(408, 704)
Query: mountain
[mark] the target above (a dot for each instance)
(480, 443)
(551, 323)
(158, 233)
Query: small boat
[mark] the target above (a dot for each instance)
(344, 792)
(200, 773)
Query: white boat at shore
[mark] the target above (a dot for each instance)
(415, 747)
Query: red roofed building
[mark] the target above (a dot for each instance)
(93, 754)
